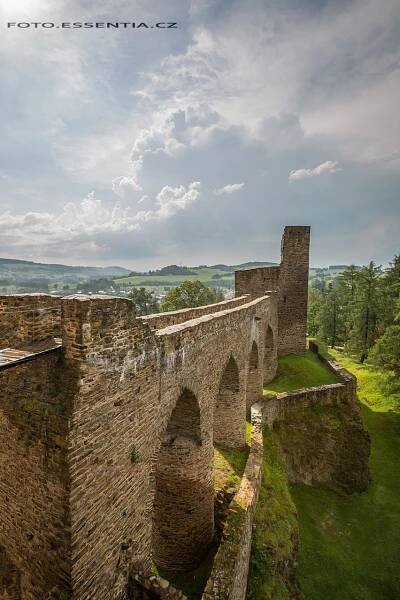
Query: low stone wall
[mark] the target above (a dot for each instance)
(322, 437)
(283, 404)
(228, 578)
(28, 318)
(161, 320)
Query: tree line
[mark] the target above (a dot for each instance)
(360, 311)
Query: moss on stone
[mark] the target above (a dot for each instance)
(229, 466)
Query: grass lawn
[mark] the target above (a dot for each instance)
(350, 545)
(295, 372)
(205, 275)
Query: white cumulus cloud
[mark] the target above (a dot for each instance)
(83, 223)
(326, 167)
(171, 200)
(230, 188)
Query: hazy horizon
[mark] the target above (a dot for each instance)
(197, 145)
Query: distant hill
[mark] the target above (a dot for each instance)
(22, 270)
(246, 265)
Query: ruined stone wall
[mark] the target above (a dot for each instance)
(323, 440)
(90, 425)
(293, 290)
(129, 379)
(290, 281)
(34, 483)
(115, 415)
(257, 282)
(161, 320)
(28, 318)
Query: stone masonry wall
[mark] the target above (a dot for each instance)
(89, 427)
(323, 440)
(161, 320)
(290, 281)
(129, 379)
(34, 483)
(257, 282)
(293, 291)
(28, 318)
(115, 415)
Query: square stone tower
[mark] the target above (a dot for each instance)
(290, 281)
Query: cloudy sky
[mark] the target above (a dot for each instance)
(145, 147)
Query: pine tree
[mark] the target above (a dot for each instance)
(367, 311)
(391, 285)
(347, 289)
(330, 317)
(315, 299)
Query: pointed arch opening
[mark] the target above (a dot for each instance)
(230, 409)
(183, 511)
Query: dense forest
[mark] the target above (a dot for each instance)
(360, 312)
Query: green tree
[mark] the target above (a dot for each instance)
(391, 285)
(347, 290)
(330, 317)
(386, 352)
(190, 294)
(319, 284)
(315, 298)
(145, 302)
(367, 311)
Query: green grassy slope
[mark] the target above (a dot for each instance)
(350, 545)
(296, 372)
(203, 274)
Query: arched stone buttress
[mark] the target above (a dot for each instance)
(183, 512)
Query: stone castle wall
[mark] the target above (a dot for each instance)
(113, 433)
(323, 439)
(125, 380)
(28, 318)
(34, 482)
(290, 281)
(174, 317)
